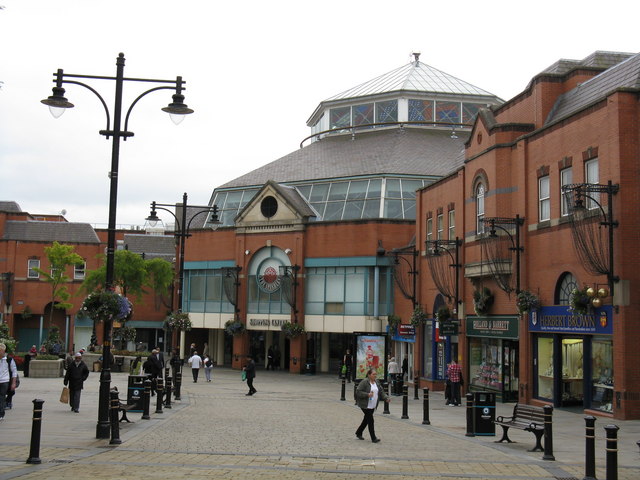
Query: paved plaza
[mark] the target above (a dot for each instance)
(295, 427)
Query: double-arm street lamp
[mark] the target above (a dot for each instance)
(182, 231)
(57, 104)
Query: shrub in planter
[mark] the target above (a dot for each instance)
(579, 301)
(418, 317)
(527, 302)
(292, 330)
(234, 327)
(443, 313)
(393, 321)
(482, 300)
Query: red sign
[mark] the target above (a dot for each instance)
(406, 330)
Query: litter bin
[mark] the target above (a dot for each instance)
(135, 392)
(396, 385)
(310, 368)
(484, 413)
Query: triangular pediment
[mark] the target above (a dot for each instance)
(275, 208)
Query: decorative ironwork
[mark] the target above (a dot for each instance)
(231, 286)
(592, 226)
(289, 286)
(405, 273)
(500, 250)
(445, 267)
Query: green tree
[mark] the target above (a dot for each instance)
(60, 258)
(160, 277)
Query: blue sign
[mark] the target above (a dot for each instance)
(559, 319)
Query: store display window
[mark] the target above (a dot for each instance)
(485, 363)
(572, 373)
(602, 374)
(545, 367)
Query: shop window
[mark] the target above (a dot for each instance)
(572, 373)
(485, 363)
(602, 374)
(544, 201)
(545, 368)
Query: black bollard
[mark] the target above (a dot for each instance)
(425, 407)
(470, 432)
(356, 382)
(405, 401)
(115, 421)
(160, 394)
(146, 400)
(548, 433)
(167, 398)
(36, 428)
(612, 451)
(343, 389)
(416, 387)
(178, 384)
(166, 374)
(590, 449)
(385, 386)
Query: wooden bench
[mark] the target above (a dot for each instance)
(124, 408)
(525, 417)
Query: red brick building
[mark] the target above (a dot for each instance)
(576, 126)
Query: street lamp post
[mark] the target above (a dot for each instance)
(182, 232)
(57, 104)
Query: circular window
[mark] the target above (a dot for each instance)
(269, 206)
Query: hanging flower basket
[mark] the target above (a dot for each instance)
(292, 330)
(527, 302)
(443, 313)
(106, 305)
(418, 317)
(393, 321)
(234, 327)
(178, 321)
(579, 301)
(482, 301)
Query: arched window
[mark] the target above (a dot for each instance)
(566, 283)
(479, 208)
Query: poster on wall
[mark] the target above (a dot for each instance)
(370, 351)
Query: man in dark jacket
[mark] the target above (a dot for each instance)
(77, 373)
(250, 370)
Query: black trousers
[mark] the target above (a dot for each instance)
(367, 421)
(455, 393)
(250, 385)
(195, 372)
(74, 398)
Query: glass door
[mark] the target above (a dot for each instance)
(572, 390)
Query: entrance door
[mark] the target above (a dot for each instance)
(572, 391)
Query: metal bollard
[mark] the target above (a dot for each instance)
(425, 407)
(343, 389)
(115, 422)
(146, 399)
(590, 449)
(405, 401)
(36, 428)
(416, 387)
(160, 394)
(166, 374)
(548, 433)
(385, 386)
(612, 451)
(470, 432)
(167, 398)
(178, 384)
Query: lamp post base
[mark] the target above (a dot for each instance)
(103, 427)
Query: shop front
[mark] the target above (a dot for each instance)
(493, 355)
(440, 345)
(573, 357)
(402, 342)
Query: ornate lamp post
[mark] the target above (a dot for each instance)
(182, 232)
(57, 104)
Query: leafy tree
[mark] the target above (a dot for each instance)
(160, 277)
(7, 339)
(60, 257)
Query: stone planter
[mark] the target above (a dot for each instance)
(46, 368)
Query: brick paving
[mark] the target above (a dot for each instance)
(295, 427)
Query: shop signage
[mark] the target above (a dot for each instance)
(494, 326)
(266, 322)
(448, 327)
(559, 318)
(404, 329)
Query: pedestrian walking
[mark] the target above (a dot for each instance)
(8, 377)
(454, 372)
(153, 369)
(31, 354)
(347, 360)
(368, 394)
(270, 365)
(250, 370)
(208, 366)
(77, 373)
(196, 362)
(175, 362)
(405, 368)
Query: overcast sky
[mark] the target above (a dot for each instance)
(255, 72)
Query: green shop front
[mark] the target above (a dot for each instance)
(493, 355)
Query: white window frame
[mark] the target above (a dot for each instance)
(592, 176)
(452, 224)
(31, 264)
(439, 226)
(429, 229)
(544, 199)
(479, 193)
(566, 178)
(79, 271)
